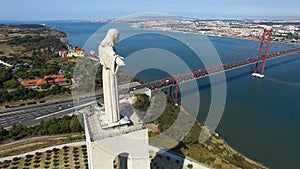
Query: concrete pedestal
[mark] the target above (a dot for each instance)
(113, 142)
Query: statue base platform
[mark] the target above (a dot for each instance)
(108, 142)
(124, 121)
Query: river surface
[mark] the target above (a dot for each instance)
(261, 117)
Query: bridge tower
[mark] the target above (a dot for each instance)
(265, 41)
(175, 98)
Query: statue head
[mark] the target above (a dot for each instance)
(111, 38)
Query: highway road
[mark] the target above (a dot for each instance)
(33, 114)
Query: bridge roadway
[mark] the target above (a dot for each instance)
(182, 78)
(32, 115)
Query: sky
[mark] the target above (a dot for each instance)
(112, 9)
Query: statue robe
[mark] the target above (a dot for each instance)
(108, 58)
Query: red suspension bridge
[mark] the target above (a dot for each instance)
(260, 62)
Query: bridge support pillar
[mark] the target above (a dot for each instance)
(175, 98)
(265, 39)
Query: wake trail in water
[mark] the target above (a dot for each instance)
(283, 82)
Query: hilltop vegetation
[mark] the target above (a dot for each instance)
(15, 39)
(66, 124)
(33, 50)
(142, 102)
(214, 152)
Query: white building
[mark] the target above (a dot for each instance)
(123, 144)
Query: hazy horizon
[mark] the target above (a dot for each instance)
(95, 9)
(179, 17)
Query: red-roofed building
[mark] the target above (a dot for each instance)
(75, 52)
(63, 53)
(45, 80)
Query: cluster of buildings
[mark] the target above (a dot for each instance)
(72, 52)
(6, 62)
(287, 32)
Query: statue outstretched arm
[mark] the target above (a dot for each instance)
(119, 61)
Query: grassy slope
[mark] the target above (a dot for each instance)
(214, 152)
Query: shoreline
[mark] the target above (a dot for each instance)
(242, 39)
(233, 150)
(213, 35)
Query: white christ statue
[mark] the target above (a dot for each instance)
(110, 62)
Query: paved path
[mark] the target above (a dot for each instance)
(37, 138)
(43, 150)
(176, 157)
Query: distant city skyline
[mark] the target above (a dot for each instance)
(99, 9)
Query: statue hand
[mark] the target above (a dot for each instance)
(119, 61)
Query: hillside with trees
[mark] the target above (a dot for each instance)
(66, 124)
(32, 49)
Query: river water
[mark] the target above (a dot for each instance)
(261, 117)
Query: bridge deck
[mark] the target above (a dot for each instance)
(182, 78)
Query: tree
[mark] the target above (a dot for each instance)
(38, 63)
(75, 125)
(22, 93)
(46, 86)
(137, 80)
(142, 102)
(3, 133)
(64, 127)
(4, 96)
(13, 83)
(22, 73)
(53, 129)
(4, 76)
(42, 128)
(190, 166)
(52, 69)
(18, 131)
(35, 73)
(56, 89)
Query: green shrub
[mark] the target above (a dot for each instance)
(16, 159)
(29, 156)
(142, 102)
(190, 166)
